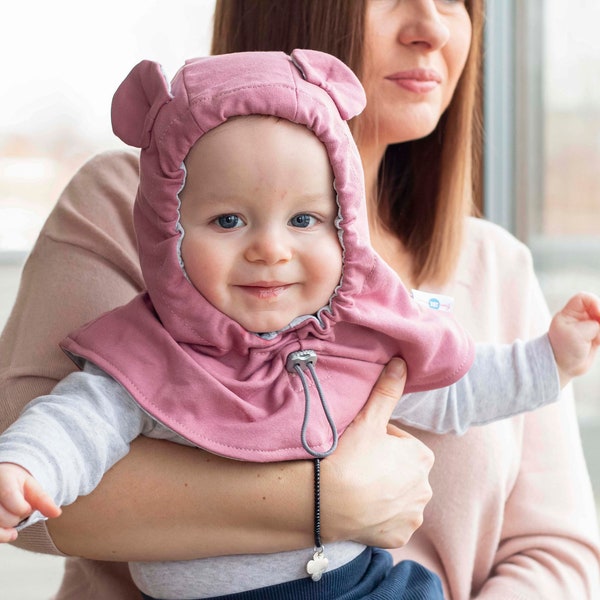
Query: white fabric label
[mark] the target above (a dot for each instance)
(433, 301)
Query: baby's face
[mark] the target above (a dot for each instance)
(258, 210)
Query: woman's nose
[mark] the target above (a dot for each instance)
(269, 247)
(421, 24)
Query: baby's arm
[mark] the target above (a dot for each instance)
(509, 379)
(504, 380)
(575, 336)
(68, 439)
(20, 495)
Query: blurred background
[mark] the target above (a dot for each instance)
(64, 59)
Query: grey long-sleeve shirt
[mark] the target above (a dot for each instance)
(68, 439)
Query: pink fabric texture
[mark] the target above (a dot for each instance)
(221, 387)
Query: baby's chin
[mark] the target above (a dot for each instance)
(268, 327)
(265, 326)
(270, 322)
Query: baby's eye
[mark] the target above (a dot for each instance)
(229, 221)
(303, 220)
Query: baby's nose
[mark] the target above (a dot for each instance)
(270, 247)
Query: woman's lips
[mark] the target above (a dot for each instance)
(418, 81)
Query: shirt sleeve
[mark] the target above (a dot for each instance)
(504, 380)
(68, 439)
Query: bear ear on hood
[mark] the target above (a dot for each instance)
(333, 76)
(137, 101)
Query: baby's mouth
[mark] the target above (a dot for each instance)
(265, 290)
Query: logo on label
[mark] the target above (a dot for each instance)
(434, 303)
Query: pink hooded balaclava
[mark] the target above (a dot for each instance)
(272, 397)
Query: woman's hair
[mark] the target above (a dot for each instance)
(425, 187)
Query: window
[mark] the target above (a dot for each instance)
(66, 59)
(542, 114)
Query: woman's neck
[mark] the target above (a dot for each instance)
(385, 243)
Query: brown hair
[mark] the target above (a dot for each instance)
(425, 187)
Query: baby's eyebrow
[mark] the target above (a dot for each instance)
(317, 197)
(218, 199)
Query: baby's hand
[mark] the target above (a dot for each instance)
(575, 336)
(20, 495)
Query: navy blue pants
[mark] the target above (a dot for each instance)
(370, 575)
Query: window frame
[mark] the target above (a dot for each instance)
(514, 134)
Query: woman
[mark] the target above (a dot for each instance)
(497, 526)
(512, 514)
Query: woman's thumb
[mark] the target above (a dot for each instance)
(386, 393)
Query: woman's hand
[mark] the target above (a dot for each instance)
(375, 485)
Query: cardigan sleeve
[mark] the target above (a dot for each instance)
(549, 544)
(83, 263)
(512, 514)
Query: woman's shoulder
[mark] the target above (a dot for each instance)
(118, 164)
(492, 237)
(492, 260)
(488, 245)
(495, 287)
(108, 180)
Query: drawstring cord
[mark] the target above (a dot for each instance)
(298, 362)
(317, 463)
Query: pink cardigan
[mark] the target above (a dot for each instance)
(512, 515)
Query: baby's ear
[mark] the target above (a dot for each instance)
(338, 80)
(137, 102)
